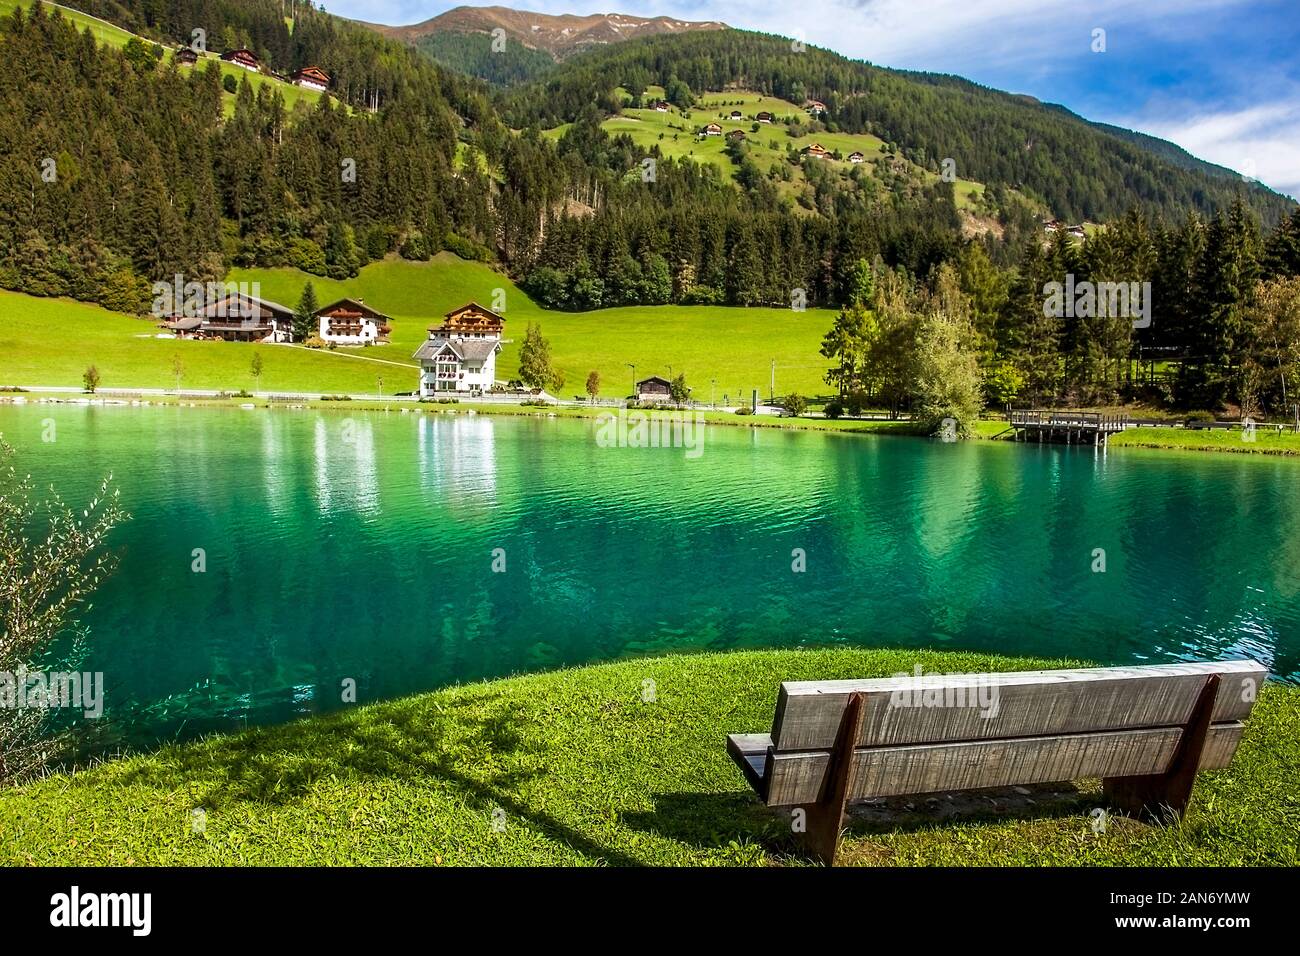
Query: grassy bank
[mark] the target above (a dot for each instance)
(578, 769)
(1267, 441)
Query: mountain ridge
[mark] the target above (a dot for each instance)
(557, 34)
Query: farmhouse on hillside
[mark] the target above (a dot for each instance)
(235, 318)
(736, 135)
(737, 115)
(185, 55)
(654, 389)
(312, 78)
(764, 117)
(242, 57)
(351, 322)
(713, 129)
(460, 356)
(815, 108)
(659, 106)
(815, 151)
(856, 157)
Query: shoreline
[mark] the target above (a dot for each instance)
(1268, 444)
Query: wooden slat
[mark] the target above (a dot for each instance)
(1028, 703)
(798, 778)
(749, 751)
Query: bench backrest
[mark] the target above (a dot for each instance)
(932, 733)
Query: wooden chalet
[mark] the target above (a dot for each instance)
(352, 322)
(713, 129)
(235, 318)
(737, 115)
(736, 135)
(312, 78)
(764, 117)
(856, 158)
(186, 55)
(471, 320)
(654, 389)
(244, 58)
(460, 355)
(815, 151)
(815, 107)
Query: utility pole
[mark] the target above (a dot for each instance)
(772, 389)
(633, 368)
(713, 382)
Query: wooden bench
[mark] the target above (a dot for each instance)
(1145, 731)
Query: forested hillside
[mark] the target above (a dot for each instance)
(472, 54)
(1076, 169)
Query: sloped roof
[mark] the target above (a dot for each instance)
(467, 350)
(351, 305)
(431, 347)
(477, 350)
(265, 308)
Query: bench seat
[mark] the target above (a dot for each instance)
(1145, 731)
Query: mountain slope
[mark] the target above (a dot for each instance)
(558, 35)
(467, 38)
(1076, 169)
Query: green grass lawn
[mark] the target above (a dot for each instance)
(1268, 441)
(735, 346)
(51, 341)
(578, 770)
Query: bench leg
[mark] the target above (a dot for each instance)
(826, 817)
(1171, 790)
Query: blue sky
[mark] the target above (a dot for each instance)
(1219, 77)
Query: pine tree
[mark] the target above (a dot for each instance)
(305, 324)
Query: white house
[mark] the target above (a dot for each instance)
(460, 356)
(351, 322)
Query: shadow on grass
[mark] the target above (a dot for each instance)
(415, 742)
(711, 820)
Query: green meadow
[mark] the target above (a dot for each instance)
(52, 341)
(674, 133)
(733, 347)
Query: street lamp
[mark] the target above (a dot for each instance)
(633, 368)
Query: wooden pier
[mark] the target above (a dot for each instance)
(1069, 428)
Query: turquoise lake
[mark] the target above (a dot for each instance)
(362, 546)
